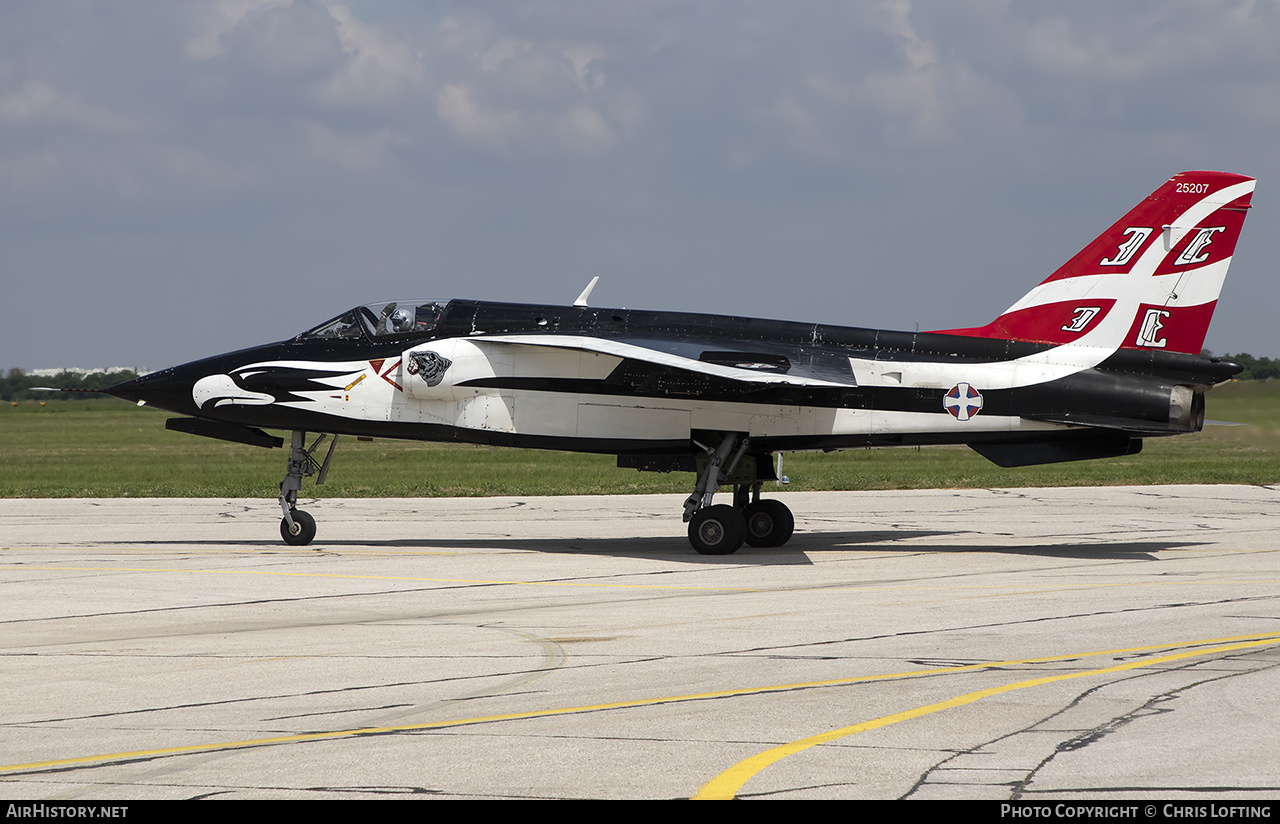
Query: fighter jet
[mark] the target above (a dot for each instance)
(1100, 355)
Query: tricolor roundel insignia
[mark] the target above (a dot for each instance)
(962, 401)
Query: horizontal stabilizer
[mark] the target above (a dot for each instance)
(1082, 447)
(1134, 425)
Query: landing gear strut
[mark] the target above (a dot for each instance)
(722, 529)
(297, 527)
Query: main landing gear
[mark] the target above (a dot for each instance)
(297, 527)
(722, 529)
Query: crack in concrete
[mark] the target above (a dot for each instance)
(1082, 738)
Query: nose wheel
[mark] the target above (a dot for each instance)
(299, 533)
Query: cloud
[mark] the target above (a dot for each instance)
(522, 96)
(585, 59)
(285, 42)
(472, 122)
(584, 128)
(673, 147)
(1054, 46)
(894, 94)
(37, 103)
(218, 18)
(379, 68)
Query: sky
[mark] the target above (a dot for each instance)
(182, 179)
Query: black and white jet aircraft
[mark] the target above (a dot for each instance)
(1103, 353)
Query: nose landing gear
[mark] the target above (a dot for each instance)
(297, 527)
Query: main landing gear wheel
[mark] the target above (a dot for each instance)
(303, 531)
(717, 530)
(768, 523)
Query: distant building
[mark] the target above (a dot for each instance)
(76, 370)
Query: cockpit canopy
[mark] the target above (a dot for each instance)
(377, 321)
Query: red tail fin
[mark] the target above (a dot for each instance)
(1162, 265)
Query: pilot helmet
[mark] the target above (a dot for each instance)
(401, 320)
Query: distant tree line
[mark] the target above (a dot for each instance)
(16, 385)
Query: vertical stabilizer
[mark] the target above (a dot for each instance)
(1150, 282)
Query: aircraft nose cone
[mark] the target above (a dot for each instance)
(167, 389)
(178, 388)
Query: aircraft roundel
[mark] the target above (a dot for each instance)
(962, 401)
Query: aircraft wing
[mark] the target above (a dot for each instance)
(758, 368)
(1132, 426)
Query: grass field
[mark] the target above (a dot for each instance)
(107, 448)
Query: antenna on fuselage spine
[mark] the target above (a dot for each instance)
(582, 299)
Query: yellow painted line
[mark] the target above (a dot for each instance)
(727, 784)
(1015, 590)
(1018, 589)
(353, 383)
(1269, 638)
(580, 584)
(254, 551)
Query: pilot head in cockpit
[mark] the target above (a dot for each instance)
(401, 320)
